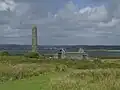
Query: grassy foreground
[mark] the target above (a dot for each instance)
(19, 73)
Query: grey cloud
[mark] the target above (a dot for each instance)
(46, 1)
(58, 27)
(61, 35)
(4, 22)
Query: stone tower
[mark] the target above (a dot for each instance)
(34, 38)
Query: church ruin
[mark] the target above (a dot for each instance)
(61, 53)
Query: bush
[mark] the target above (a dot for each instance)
(32, 55)
(4, 53)
(61, 68)
(97, 61)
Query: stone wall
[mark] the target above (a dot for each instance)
(74, 56)
(77, 56)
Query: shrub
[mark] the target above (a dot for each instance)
(32, 55)
(97, 61)
(61, 68)
(4, 53)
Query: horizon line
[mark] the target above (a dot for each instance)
(65, 44)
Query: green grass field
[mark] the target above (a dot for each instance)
(19, 73)
(35, 83)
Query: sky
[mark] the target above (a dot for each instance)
(60, 22)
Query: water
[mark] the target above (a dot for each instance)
(91, 50)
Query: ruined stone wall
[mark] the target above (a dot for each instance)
(74, 56)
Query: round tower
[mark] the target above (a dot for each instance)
(34, 38)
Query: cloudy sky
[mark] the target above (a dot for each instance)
(90, 22)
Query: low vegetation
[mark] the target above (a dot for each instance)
(98, 79)
(4, 53)
(32, 55)
(94, 74)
